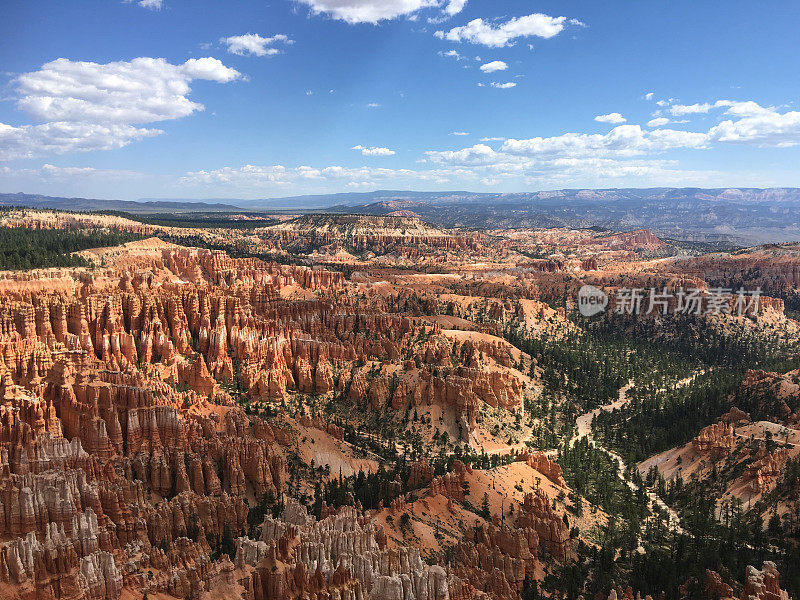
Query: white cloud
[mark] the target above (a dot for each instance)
(680, 110)
(485, 169)
(503, 86)
(149, 4)
(373, 151)
(614, 118)
(493, 139)
(452, 54)
(750, 123)
(29, 141)
(648, 96)
(627, 155)
(265, 176)
(53, 171)
(253, 44)
(480, 161)
(84, 106)
(454, 7)
(479, 154)
(460, 133)
(208, 68)
(479, 31)
(745, 109)
(622, 141)
(368, 11)
(758, 125)
(140, 91)
(495, 65)
(658, 122)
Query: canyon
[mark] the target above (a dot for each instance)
(342, 408)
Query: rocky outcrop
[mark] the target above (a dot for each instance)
(767, 468)
(640, 239)
(539, 462)
(341, 555)
(714, 587)
(716, 440)
(539, 516)
(451, 485)
(421, 474)
(763, 584)
(359, 233)
(734, 415)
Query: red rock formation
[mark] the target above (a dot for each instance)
(421, 474)
(538, 515)
(763, 584)
(717, 440)
(640, 239)
(735, 415)
(545, 466)
(451, 484)
(765, 471)
(714, 587)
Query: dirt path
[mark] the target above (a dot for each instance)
(584, 429)
(584, 422)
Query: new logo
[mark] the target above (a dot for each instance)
(591, 300)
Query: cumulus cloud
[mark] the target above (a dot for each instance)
(658, 122)
(82, 106)
(620, 149)
(140, 91)
(266, 176)
(208, 68)
(503, 86)
(648, 96)
(373, 11)
(679, 110)
(622, 141)
(29, 141)
(483, 167)
(554, 167)
(253, 44)
(495, 65)
(748, 123)
(614, 117)
(373, 150)
(452, 54)
(758, 125)
(460, 133)
(479, 154)
(149, 4)
(454, 7)
(628, 154)
(481, 32)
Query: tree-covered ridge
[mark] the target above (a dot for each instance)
(23, 248)
(684, 372)
(711, 357)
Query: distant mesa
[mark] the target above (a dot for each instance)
(743, 216)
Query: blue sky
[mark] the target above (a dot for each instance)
(211, 99)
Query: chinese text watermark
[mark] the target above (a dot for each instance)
(689, 301)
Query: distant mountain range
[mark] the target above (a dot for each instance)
(743, 215)
(130, 206)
